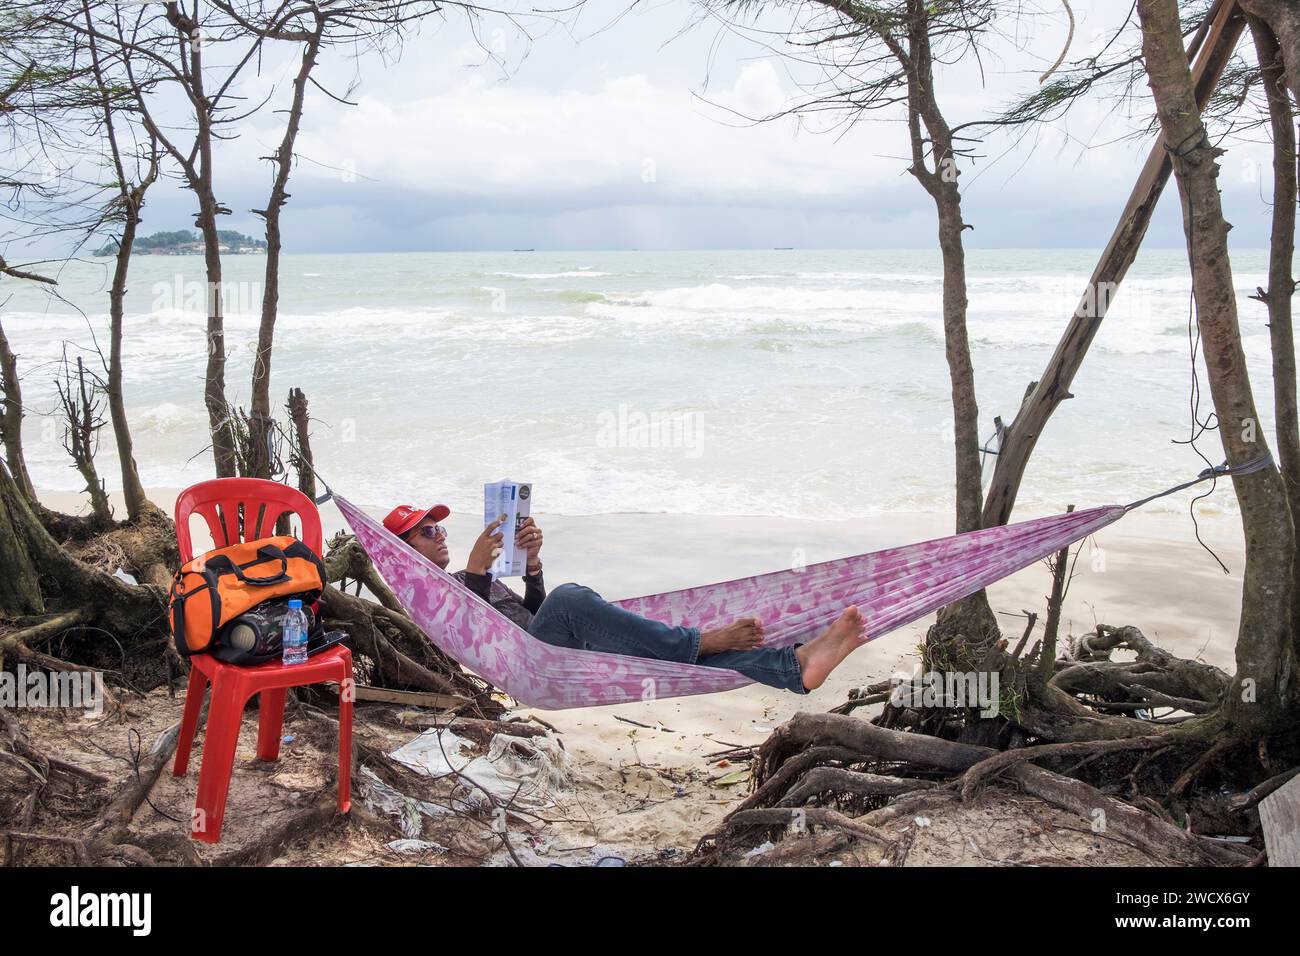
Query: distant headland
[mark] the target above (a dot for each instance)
(186, 242)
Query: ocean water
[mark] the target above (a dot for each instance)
(795, 383)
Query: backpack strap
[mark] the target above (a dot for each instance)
(267, 552)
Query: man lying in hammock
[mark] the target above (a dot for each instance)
(577, 617)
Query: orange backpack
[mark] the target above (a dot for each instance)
(217, 587)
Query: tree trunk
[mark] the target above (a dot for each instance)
(214, 381)
(1282, 284)
(303, 460)
(961, 372)
(11, 420)
(971, 618)
(200, 180)
(20, 591)
(1263, 685)
(1223, 26)
(1283, 19)
(130, 612)
(1281, 281)
(259, 413)
(132, 490)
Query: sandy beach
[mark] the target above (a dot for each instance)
(644, 781)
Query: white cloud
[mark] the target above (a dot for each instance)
(629, 140)
(603, 143)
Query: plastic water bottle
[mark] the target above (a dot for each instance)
(293, 634)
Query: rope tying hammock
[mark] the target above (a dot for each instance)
(892, 588)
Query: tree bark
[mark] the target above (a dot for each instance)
(1281, 280)
(1283, 18)
(132, 490)
(961, 372)
(1263, 687)
(214, 380)
(11, 420)
(302, 456)
(20, 589)
(126, 610)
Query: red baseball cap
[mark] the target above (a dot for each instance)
(405, 517)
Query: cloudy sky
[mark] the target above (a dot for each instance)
(627, 131)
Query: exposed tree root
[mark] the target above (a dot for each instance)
(823, 780)
(311, 818)
(33, 635)
(80, 855)
(812, 816)
(793, 769)
(986, 769)
(1155, 670)
(111, 829)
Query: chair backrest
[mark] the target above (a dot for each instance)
(244, 509)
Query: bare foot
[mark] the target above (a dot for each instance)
(743, 635)
(827, 650)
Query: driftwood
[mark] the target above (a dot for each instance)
(83, 418)
(301, 457)
(1155, 668)
(411, 698)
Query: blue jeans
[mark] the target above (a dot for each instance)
(578, 617)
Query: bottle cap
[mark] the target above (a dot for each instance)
(295, 603)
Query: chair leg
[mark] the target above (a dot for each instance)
(224, 716)
(270, 723)
(190, 720)
(346, 688)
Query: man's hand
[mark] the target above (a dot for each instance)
(529, 538)
(486, 548)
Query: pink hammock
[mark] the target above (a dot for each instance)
(892, 588)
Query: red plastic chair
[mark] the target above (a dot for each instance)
(221, 501)
(243, 509)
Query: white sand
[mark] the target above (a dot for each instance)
(648, 788)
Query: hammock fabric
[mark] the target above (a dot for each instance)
(892, 588)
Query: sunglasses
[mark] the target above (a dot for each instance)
(430, 531)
